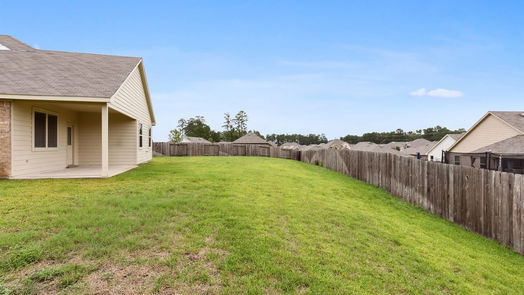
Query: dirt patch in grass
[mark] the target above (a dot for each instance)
(47, 277)
(164, 273)
(199, 272)
(130, 279)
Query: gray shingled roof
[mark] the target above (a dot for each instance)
(251, 138)
(291, 146)
(422, 147)
(14, 44)
(29, 71)
(365, 146)
(338, 144)
(418, 142)
(456, 136)
(512, 145)
(515, 119)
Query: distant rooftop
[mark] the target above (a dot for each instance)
(251, 138)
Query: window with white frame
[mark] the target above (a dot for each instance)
(150, 141)
(45, 130)
(140, 134)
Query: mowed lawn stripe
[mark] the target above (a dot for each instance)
(236, 225)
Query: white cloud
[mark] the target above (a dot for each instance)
(445, 93)
(440, 92)
(419, 92)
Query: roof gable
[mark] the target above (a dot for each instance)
(132, 97)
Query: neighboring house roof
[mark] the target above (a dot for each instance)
(421, 147)
(417, 142)
(290, 146)
(251, 138)
(26, 71)
(313, 147)
(337, 144)
(365, 146)
(396, 146)
(190, 139)
(513, 119)
(386, 149)
(512, 145)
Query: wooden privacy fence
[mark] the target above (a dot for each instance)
(222, 149)
(484, 201)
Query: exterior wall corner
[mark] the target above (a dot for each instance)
(5, 139)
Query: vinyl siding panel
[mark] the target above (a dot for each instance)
(122, 140)
(487, 132)
(131, 100)
(89, 139)
(25, 159)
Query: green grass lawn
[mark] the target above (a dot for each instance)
(236, 225)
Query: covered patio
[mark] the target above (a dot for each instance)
(92, 141)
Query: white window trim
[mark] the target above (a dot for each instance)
(47, 112)
(150, 137)
(140, 146)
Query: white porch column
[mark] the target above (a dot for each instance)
(105, 141)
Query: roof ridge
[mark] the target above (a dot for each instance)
(85, 53)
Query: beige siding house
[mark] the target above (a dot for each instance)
(491, 128)
(67, 115)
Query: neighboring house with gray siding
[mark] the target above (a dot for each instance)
(68, 115)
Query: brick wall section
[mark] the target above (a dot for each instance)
(5, 138)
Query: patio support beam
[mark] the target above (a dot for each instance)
(105, 140)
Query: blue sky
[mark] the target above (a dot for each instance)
(333, 67)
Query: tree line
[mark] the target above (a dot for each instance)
(298, 138)
(235, 127)
(432, 134)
